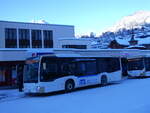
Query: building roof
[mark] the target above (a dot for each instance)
(74, 38)
(141, 41)
(2, 21)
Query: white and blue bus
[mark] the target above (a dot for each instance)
(139, 66)
(147, 65)
(136, 67)
(53, 72)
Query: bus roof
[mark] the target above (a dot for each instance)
(86, 52)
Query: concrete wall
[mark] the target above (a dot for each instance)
(13, 55)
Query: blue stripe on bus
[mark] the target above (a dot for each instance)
(46, 53)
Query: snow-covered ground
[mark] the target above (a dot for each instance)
(11, 94)
(130, 96)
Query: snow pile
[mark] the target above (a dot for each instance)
(40, 21)
(11, 94)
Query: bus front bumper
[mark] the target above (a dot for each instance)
(32, 88)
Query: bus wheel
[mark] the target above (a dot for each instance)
(104, 80)
(69, 85)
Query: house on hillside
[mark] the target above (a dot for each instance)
(114, 44)
(130, 43)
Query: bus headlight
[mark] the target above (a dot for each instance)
(40, 89)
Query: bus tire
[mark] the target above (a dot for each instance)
(69, 85)
(104, 80)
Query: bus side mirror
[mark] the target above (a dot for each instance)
(44, 66)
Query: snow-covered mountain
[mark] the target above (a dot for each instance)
(135, 20)
(137, 24)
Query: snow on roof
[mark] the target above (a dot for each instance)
(34, 22)
(141, 41)
(123, 41)
(138, 46)
(39, 21)
(94, 43)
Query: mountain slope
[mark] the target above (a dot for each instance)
(135, 20)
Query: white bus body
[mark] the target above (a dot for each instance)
(136, 67)
(84, 68)
(147, 66)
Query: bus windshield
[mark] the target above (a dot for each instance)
(31, 71)
(135, 64)
(52, 68)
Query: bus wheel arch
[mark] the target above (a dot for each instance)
(69, 85)
(104, 80)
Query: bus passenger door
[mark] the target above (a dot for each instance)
(124, 64)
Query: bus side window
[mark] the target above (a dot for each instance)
(91, 68)
(114, 64)
(102, 65)
(72, 68)
(81, 68)
(65, 68)
(48, 71)
(147, 64)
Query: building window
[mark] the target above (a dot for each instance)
(48, 38)
(36, 39)
(10, 38)
(24, 38)
(75, 46)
